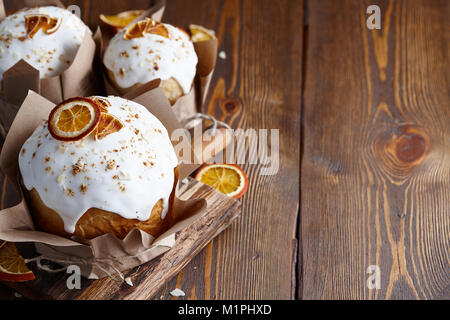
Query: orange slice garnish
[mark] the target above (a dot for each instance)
(35, 22)
(103, 104)
(73, 119)
(108, 124)
(199, 33)
(122, 19)
(12, 265)
(147, 26)
(228, 179)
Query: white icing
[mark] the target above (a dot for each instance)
(51, 54)
(143, 171)
(143, 59)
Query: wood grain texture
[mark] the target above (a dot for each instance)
(375, 182)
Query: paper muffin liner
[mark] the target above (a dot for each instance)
(77, 80)
(190, 104)
(105, 255)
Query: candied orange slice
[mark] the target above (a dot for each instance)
(108, 124)
(228, 179)
(199, 33)
(122, 19)
(35, 22)
(12, 265)
(103, 104)
(149, 26)
(73, 119)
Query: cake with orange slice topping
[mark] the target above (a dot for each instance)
(99, 165)
(149, 50)
(47, 38)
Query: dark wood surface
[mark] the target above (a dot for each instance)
(368, 113)
(375, 183)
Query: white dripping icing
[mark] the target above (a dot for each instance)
(51, 54)
(143, 59)
(126, 179)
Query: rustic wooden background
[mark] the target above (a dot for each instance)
(364, 121)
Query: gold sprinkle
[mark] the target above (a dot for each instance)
(111, 164)
(69, 192)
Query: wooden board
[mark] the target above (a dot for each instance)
(375, 184)
(148, 278)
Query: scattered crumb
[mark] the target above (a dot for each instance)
(78, 167)
(62, 149)
(222, 55)
(124, 175)
(83, 188)
(128, 281)
(177, 293)
(69, 192)
(111, 164)
(61, 179)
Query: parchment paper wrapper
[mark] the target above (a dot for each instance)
(191, 103)
(106, 254)
(77, 80)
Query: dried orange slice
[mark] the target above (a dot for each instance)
(108, 124)
(12, 265)
(103, 104)
(73, 119)
(228, 179)
(122, 19)
(199, 33)
(146, 26)
(35, 22)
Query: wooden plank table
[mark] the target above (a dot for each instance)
(364, 125)
(375, 184)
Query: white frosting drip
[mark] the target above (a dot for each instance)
(143, 59)
(126, 173)
(51, 54)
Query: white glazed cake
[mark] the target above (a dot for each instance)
(51, 54)
(152, 56)
(125, 173)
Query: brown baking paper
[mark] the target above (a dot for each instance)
(77, 80)
(104, 255)
(188, 105)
